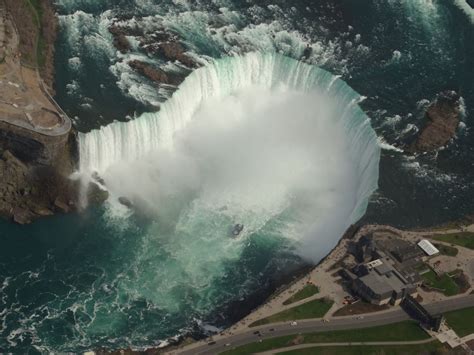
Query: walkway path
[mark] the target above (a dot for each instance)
(374, 343)
(24, 99)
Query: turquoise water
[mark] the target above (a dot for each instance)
(79, 282)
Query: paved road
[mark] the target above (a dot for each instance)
(307, 326)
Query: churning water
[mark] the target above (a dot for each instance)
(254, 136)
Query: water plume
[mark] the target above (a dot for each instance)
(260, 139)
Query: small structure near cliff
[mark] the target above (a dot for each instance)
(442, 120)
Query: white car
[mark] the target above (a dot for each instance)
(293, 323)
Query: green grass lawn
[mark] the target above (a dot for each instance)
(307, 291)
(446, 249)
(444, 283)
(403, 331)
(433, 347)
(462, 321)
(312, 309)
(464, 239)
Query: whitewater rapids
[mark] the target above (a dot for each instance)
(260, 139)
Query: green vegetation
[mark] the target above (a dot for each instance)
(464, 239)
(422, 268)
(307, 291)
(432, 347)
(312, 309)
(37, 11)
(403, 331)
(444, 283)
(446, 249)
(461, 321)
(360, 307)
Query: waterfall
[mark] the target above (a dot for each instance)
(127, 141)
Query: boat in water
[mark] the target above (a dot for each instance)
(237, 229)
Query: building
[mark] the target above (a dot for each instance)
(428, 247)
(387, 268)
(379, 283)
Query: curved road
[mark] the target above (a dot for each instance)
(316, 325)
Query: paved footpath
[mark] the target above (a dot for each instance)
(373, 343)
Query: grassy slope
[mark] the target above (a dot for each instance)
(446, 249)
(312, 309)
(403, 331)
(430, 348)
(462, 321)
(307, 291)
(464, 239)
(444, 282)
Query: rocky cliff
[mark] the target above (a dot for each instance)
(29, 191)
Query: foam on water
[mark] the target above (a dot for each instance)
(468, 9)
(208, 30)
(250, 183)
(108, 282)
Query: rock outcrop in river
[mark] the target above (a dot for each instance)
(155, 74)
(442, 120)
(159, 43)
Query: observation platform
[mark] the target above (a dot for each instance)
(24, 98)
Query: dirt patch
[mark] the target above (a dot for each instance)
(461, 280)
(298, 340)
(359, 308)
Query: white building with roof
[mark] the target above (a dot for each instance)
(428, 247)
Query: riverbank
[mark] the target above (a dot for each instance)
(325, 276)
